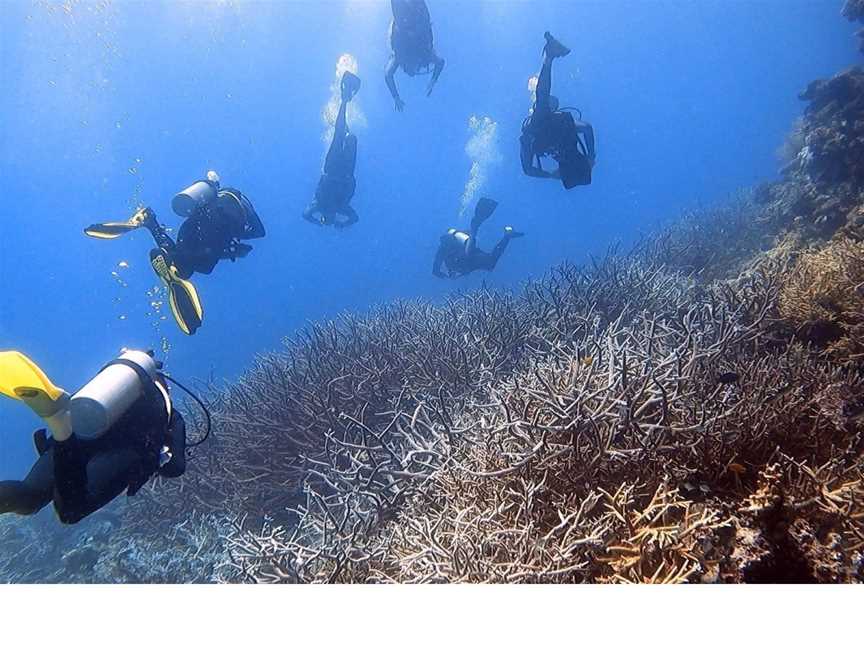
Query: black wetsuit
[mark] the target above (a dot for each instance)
(459, 252)
(337, 184)
(81, 476)
(548, 131)
(211, 234)
(412, 44)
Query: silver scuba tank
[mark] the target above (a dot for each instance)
(196, 196)
(101, 402)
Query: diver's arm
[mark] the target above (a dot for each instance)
(439, 66)
(526, 154)
(309, 212)
(439, 260)
(389, 77)
(177, 445)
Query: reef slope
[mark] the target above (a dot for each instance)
(690, 411)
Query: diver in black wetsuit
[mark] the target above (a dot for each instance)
(217, 220)
(411, 42)
(459, 252)
(80, 474)
(337, 184)
(553, 132)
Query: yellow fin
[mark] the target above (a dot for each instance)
(22, 379)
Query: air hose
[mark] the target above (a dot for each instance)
(203, 409)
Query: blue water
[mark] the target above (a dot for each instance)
(108, 104)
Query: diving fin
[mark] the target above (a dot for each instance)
(23, 380)
(115, 230)
(554, 48)
(350, 85)
(182, 296)
(484, 209)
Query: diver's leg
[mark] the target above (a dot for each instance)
(33, 493)
(83, 488)
(481, 260)
(544, 86)
(333, 161)
(482, 211)
(349, 154)
(551, 51)
(350, 217)
(401, 10)
(160, 236)
(497, 251)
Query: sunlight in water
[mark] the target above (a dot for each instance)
(356, 118)
(482, 150)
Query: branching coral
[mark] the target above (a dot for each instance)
(824, 297)
(655, 417)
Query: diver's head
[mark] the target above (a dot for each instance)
(213, 177)
(553, 103)
(451, 231)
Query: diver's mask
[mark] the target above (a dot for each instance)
(197, 196)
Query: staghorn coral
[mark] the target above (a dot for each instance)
(823, 297)
(612, 453)
(653, 417)
(629, 421)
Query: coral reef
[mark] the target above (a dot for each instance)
(690, 411)
(661, 438)
(854, 11)
(823, 297)
(822, 191)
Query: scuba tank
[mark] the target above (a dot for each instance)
(101, 402)
(196, 196)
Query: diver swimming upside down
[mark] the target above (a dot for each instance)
(413, 49)
(337, 184)
(458, 251)
(551, 131)
(217, 220)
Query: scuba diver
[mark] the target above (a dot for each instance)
(459, 252)
(337, 184)
(411, 42)
(551, 131)
(217, 220)
(112, 435)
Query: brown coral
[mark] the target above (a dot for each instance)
(824, 297)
